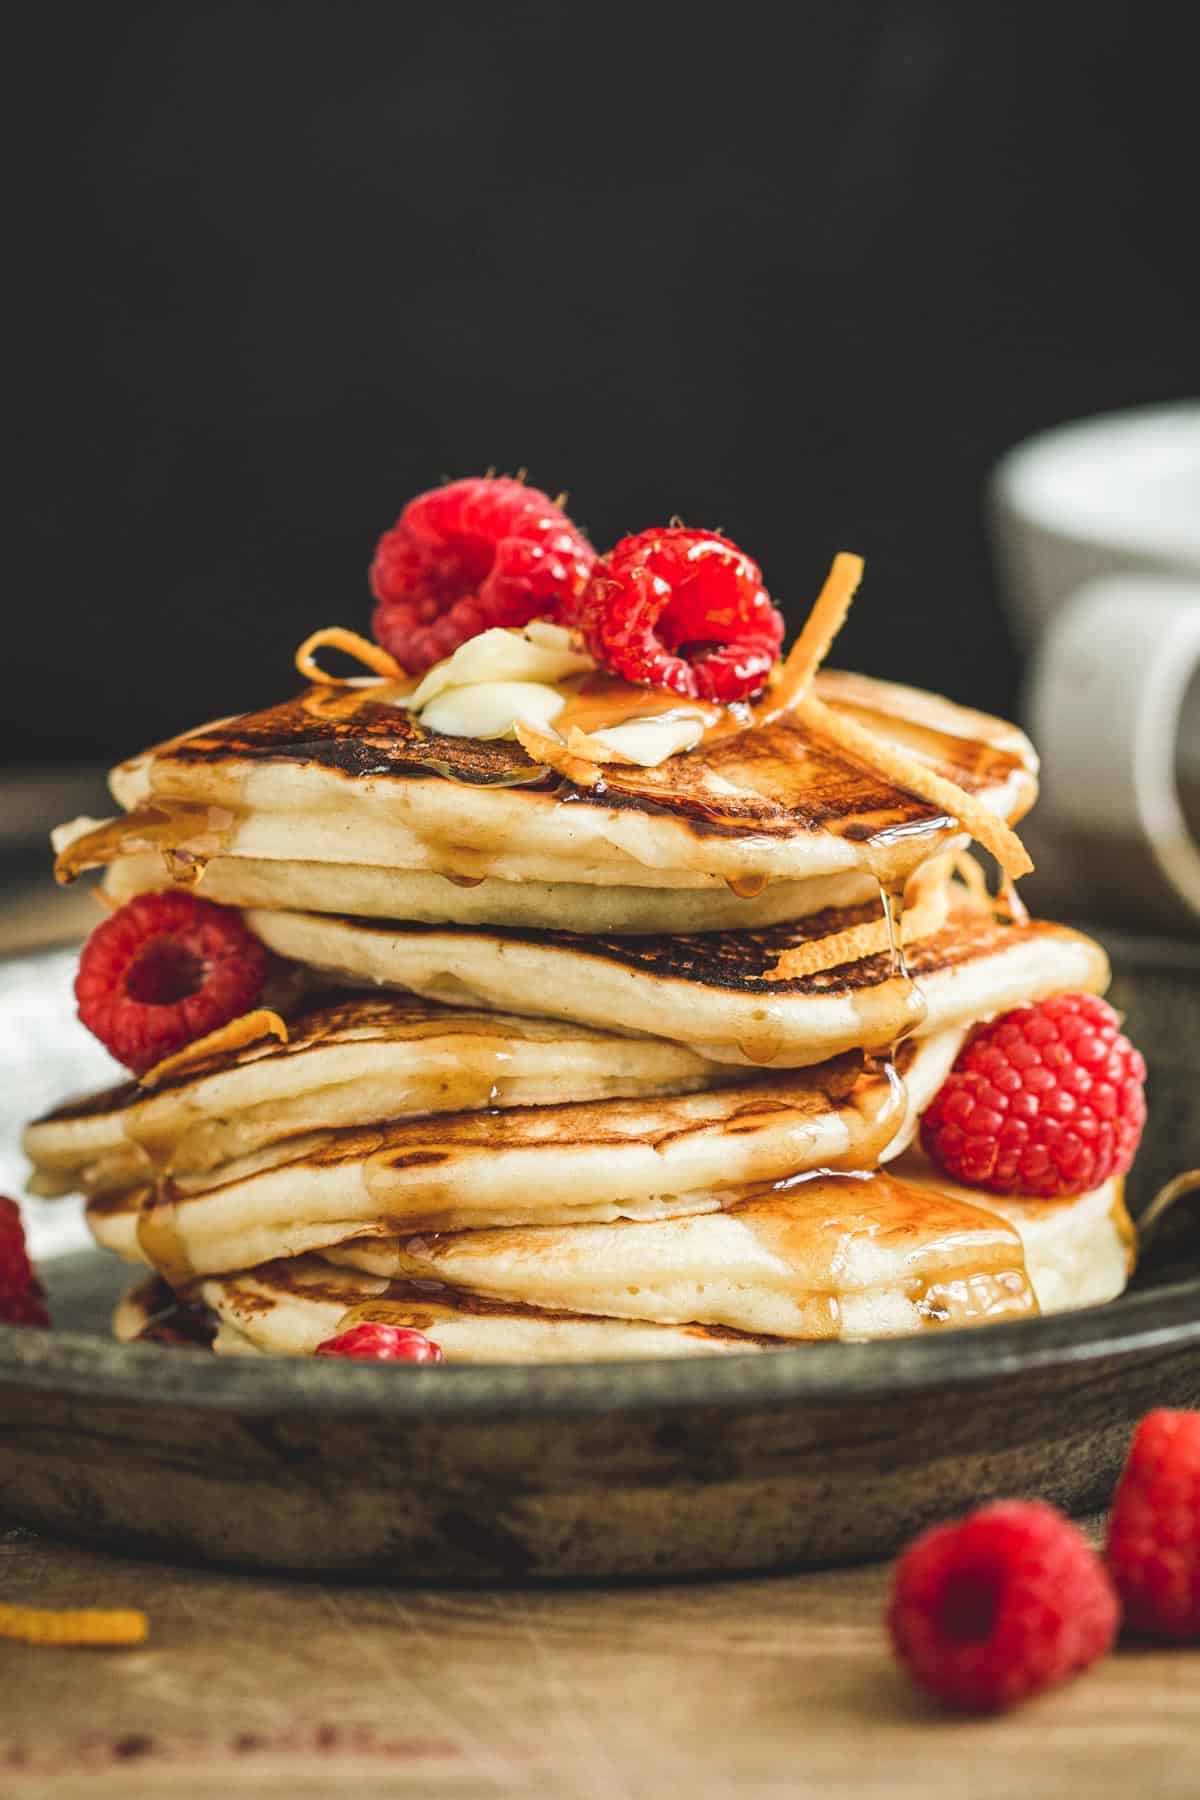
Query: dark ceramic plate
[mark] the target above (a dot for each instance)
(827, 1453)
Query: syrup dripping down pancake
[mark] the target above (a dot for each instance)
(603, 1161)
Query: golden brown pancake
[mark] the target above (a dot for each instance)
(288, 1308)
(340, 777)
(716, 991)
(350, 1060)
(602, 1161)
(850, 1255)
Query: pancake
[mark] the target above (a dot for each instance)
(608, 1160)
(349, 1061)
(714, 991)
(438, 899)
(820, 1256)
(339, 777)
(288, 1308)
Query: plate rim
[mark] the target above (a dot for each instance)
(1165, 1319)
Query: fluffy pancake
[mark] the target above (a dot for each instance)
(714, 991)
(852, 1255)
(438, 899)
(609, 1160)
(350, 1060)
(288, 1308)
(340, 777)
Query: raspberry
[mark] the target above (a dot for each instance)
(383, 1343)
(1000, 1605)
(22, 1301)
(682, 610)
(163, 970)
(1154, 1530)
(477, 553)
(1046, 1100)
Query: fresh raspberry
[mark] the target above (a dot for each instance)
(22, 1301)
(1154, 1530)
(1046, 1100)
(682, 610)
(383, 1343)
(162, 971)
(477, 553)
(1000, 1605)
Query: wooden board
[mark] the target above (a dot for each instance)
(766, 1687)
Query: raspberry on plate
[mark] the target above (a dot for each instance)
(993, 1608)
(682, 610)
(1047, 1100)
(474, 554)
(1154, 1529)
(164, 970)
(383, 1343)
(22, 1301)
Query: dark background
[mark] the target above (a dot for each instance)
(801, 273)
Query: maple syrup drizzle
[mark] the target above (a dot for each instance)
(186, 834)
(798, 1221)
(1009, 903)
(598, 702)
(747, 887)
(159, 1237)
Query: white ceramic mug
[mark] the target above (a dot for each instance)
(1097, 527)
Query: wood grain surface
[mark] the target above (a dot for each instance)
(759, 1687)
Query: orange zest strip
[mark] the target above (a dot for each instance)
(336, 637)
(41, 1625)
(555, 755)
(969, 872)
(246, 1029)
(1164, 1200)
(820, 628)
(927, 914)
(886, 760)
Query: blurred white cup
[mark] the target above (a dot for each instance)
(1097, 528)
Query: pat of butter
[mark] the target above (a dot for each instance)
(650, 741)
(541, 653)
(489, 709)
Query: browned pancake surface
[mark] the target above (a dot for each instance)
(741, 961)
(772, 779)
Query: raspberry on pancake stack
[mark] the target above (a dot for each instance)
(587, 980)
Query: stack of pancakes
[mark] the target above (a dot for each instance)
(628, 1068)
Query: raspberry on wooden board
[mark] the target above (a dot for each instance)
(1046, 1100)
(486, 551)
(1154, 1528)
(991, 1609)
(164, 970)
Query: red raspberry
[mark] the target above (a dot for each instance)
(476, 553)
(1000, 1605)
(1046, 1100)
(383, 1343)
(22, 1301)
(164, 970)
(682, 610)
(1154, 1530)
